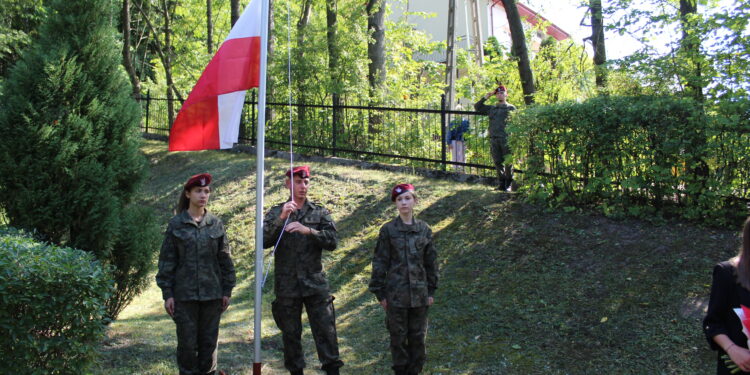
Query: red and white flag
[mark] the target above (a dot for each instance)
(210, 117)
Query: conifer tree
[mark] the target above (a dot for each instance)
(69, 156)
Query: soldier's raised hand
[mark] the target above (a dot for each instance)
(288, 209)
(384, 303)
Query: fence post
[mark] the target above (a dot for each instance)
(443, 122)
(334, 127)
(148, 104)
(253, 121)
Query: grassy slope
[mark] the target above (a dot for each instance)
(522, 290)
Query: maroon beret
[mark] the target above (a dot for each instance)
(202, 179)
(301, 171)
(502, 88)
(400, 189)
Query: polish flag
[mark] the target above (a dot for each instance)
(210, 117)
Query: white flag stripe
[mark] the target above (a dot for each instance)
(248, 25)
(230, 111)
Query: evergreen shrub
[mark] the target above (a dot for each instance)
(70, 153)
(52, 306)
(643, 156)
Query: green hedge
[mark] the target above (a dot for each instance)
(51, 306)
(644, 156)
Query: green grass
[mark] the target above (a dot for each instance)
(522, 290)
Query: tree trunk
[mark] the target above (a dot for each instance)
(597, 41)
(304, 20)
(690, 46)
(376, 55)
(163, 51)
(333, 63)
(127, 60)
(235, 4)
(332, 37)
(168, 61)
(209, 28)
(519, 50)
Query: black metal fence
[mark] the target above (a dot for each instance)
(403, 136)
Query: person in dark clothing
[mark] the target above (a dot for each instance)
(456, 144)
(404, 279)
(299, 280)
(730, 289)
(498, 137)
(196, 277)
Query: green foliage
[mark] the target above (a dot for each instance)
(706, 49)
(70, 145)
(645, 156)
(53, 306)
(19, 20)
(562, 71)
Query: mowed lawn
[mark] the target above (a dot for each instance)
(522, 290)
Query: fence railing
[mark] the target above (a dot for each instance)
(405, 136)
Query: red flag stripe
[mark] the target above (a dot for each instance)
(235, 67)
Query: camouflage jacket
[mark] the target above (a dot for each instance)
(299, 272)
(498, 116)
(404, 267)
(195, 262)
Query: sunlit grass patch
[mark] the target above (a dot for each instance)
(522, 290)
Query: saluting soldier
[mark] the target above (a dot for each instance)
(299, 280)
(196, 277)
(498, 115)
(404, 279)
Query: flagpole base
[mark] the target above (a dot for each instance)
(256, 368)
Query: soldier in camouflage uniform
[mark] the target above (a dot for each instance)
(196, 277)
(498, 137)
(404, 279)
(299, 280)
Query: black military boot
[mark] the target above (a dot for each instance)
(332, 371)
(297, 372)
(399, 371)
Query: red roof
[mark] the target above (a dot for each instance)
(534, 18)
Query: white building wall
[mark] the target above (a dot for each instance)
(437, 26)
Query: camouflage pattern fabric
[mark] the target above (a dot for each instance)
(408, 329)
(197, 335)
(195, 261)
(499, 150)
(404, 266)
(299, 281)
(298, 271)
(498, 115)
(287, 312)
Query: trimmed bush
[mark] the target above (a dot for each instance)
(643, 156)
(52, 306)
(69, 149)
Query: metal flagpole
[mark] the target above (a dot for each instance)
(259, 184)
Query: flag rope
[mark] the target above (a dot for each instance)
(291, 144)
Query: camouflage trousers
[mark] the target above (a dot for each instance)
(197, 335)
(287, 312)
(499, 150)
(408, 329)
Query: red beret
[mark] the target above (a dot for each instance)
(301, 171)
(202, 179)
(502, 88)
(400, 189)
